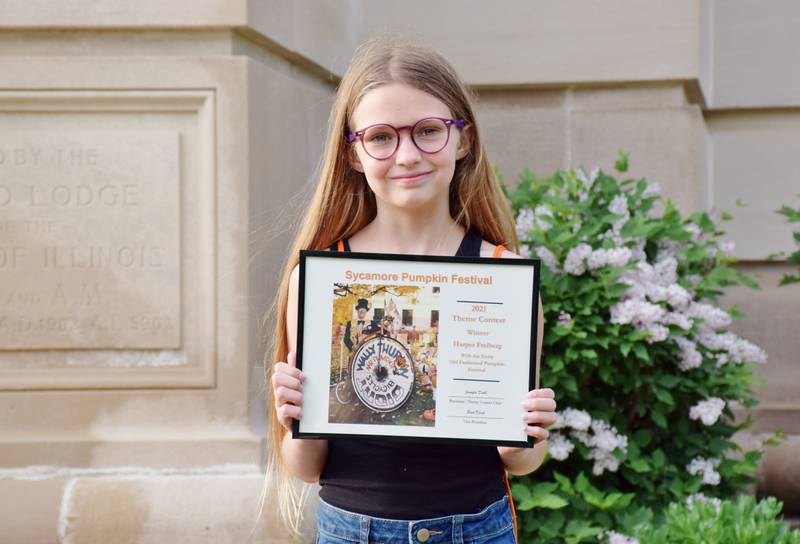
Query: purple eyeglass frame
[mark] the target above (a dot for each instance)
(360, 134)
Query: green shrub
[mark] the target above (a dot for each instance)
(644, 370)
(710, 521)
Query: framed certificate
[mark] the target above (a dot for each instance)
(416, 347)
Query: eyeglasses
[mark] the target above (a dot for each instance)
(430, 135)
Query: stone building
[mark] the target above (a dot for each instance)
(158, 151)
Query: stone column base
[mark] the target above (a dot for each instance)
(138, 505)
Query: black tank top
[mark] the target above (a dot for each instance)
(398, 480)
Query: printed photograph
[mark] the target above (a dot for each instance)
(384, 344)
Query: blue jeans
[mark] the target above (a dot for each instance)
(494, 524)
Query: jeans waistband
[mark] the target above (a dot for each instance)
(350, 526)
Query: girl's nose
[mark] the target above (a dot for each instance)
(407, 152)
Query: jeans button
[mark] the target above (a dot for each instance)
(423, 535)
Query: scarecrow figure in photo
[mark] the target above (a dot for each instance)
(356, 328)
(392, 320)
(427, 381)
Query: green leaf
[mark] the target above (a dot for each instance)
(743, 468)
(569, 383)
(550, 500)
(622, 162)
(720, 276)
(668, 380)
(705, 223)
(664, 396)
(540, 497)
(582, 483)
(746, 280)
(615, 290)
(642, 437)
(563, 237)
(551, 525)
(612, 499)
(555, 362)
(520, 492)
(563, 481)
(788, 279)
(792, 215)
(641, 352)
(735, 312)
(578, 530)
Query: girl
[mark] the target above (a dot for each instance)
(404, 172)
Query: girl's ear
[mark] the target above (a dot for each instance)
(352, 158)
(464, 143)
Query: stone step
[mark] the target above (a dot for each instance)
(143, 508)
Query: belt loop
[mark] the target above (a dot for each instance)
(458, 534)
(365, 529)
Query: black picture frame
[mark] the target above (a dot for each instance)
(533, 378)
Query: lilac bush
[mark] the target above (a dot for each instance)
(638, 350)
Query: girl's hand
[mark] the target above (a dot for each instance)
(539, 412)
(287, 390)
(539, 406)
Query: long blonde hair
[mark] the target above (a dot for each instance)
(343, 204)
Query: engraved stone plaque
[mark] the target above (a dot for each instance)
(89, 239)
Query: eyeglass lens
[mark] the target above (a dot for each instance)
(429, 135)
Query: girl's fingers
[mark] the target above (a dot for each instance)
(539, 404)
(542, 418)
(291, 360)
(289, 411)
(537, 432)
(286, 413)
(280, 379)
(287, 384)
(285, 395)
(289, 369)
(542, 393)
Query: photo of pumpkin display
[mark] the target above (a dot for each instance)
(383, 354)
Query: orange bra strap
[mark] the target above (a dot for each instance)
(340, 245)
(511, 503)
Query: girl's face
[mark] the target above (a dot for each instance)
(401, 105)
